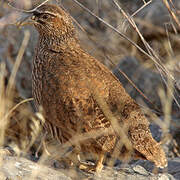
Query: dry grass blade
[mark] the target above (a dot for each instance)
(16, 106)
(171, 12)
(117, 31)
(30, 11)
(6, 94)
(114, 29)
(166, 99)
(18, 62)
(142, 7)
(155, 28)
(161, 68)
(3, 123)
(154, 57)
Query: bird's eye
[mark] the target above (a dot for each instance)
(45, 16)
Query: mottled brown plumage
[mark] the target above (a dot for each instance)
(64, 79)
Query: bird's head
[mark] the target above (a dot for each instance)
(53, 21)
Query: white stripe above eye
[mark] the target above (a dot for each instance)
(51, 13)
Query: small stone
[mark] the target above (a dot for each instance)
(139, 169)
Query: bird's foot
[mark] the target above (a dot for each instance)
(90, 167)
(87, 168)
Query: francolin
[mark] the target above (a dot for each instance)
(65, 79)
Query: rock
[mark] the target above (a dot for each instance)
(174, 167)
(172, 171)
(133, 173)
(20, 168)
(139, 169)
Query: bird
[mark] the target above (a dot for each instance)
(66, 81)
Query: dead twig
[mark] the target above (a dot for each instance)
(171, 12)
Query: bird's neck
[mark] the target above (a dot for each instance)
(55, 43)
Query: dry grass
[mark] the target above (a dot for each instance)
(20, 124)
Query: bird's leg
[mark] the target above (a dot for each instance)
(45, 148)
(99, 164)
(42, 144)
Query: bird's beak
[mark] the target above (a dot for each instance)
(26, 20)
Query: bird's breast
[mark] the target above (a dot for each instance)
(37, 76)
